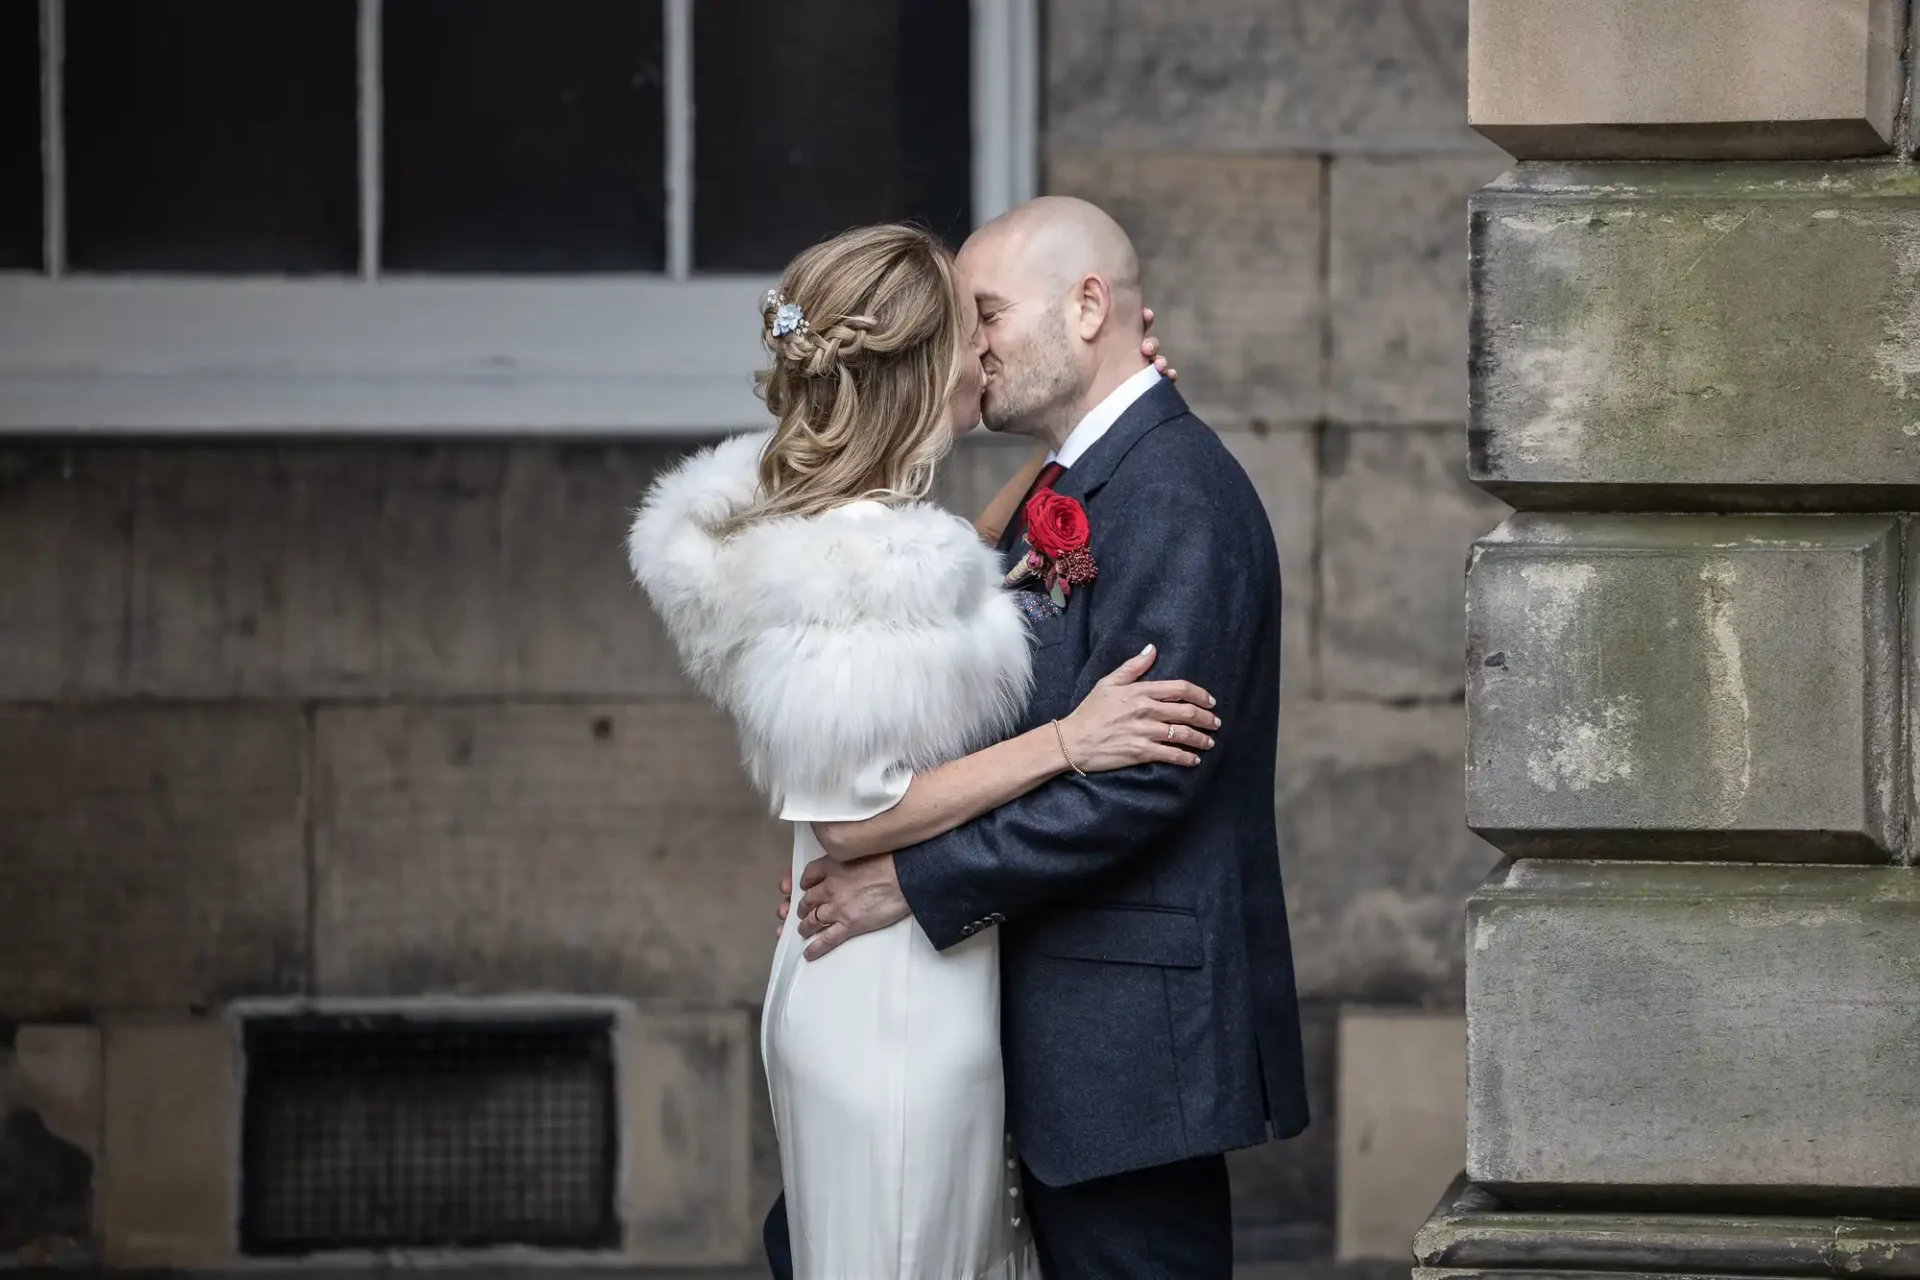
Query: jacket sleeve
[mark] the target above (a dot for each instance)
(1180, 572)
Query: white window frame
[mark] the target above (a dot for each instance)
(657, 355)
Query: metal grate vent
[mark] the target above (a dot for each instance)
(389, 1132)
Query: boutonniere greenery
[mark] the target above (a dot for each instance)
(1057, 551)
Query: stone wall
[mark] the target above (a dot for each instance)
(374, 720)
(349, 721)
(1691, 656)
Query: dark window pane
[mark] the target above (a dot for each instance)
(814, 117)
(524, 135)
(212, 135)
(20, 190)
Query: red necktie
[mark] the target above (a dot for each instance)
(1049, 476)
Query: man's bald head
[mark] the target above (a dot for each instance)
(1057, 282)
(1065, 239)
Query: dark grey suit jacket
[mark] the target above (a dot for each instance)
(1148, 1007)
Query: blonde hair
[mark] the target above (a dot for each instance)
(861, 391)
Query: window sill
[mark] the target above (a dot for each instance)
(598, 356)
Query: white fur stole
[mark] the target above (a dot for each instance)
(865, 634)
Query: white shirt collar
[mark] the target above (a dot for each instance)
(1104, 415)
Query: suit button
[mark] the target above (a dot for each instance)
(1013, 1193)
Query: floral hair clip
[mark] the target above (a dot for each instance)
(787, 316)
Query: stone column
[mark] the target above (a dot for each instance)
(1693, 993)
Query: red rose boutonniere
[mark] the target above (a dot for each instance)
(1057, 546)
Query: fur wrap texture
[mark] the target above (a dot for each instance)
(865, 634)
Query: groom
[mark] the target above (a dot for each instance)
(1149, 1021)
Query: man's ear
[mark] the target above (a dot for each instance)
(1093, 301)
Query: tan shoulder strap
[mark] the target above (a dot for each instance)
(999, 513)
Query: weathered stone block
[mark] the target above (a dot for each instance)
(310, 571)
(56, 1071)
(1472, 1233)
(1648, 1030)
(151, 858)
(49, 1143)
(1259, 76)
(685, 1149)
(1230, 247)
(1398, 285)
(1646, 79)
(1675, 336)
(1912, 648)
(1686, 686)
(63, 555)
(596, 849)
(167, 1180)
(1285, 469)
(569, 617)
(1403, 1124)
(303, 571)
(1397, 519)
(1375, 849)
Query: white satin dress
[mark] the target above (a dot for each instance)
(883, 1059)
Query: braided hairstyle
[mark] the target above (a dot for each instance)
(861, 390)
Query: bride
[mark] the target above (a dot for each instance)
(862, 642)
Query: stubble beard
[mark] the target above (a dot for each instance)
(1036, 396)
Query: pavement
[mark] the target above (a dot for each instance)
(1322, 1270)
(1327, 1270)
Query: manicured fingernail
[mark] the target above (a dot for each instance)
(1212, 701)
(1216, 722)
(1144, 652)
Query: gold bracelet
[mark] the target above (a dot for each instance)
(1063, 750)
